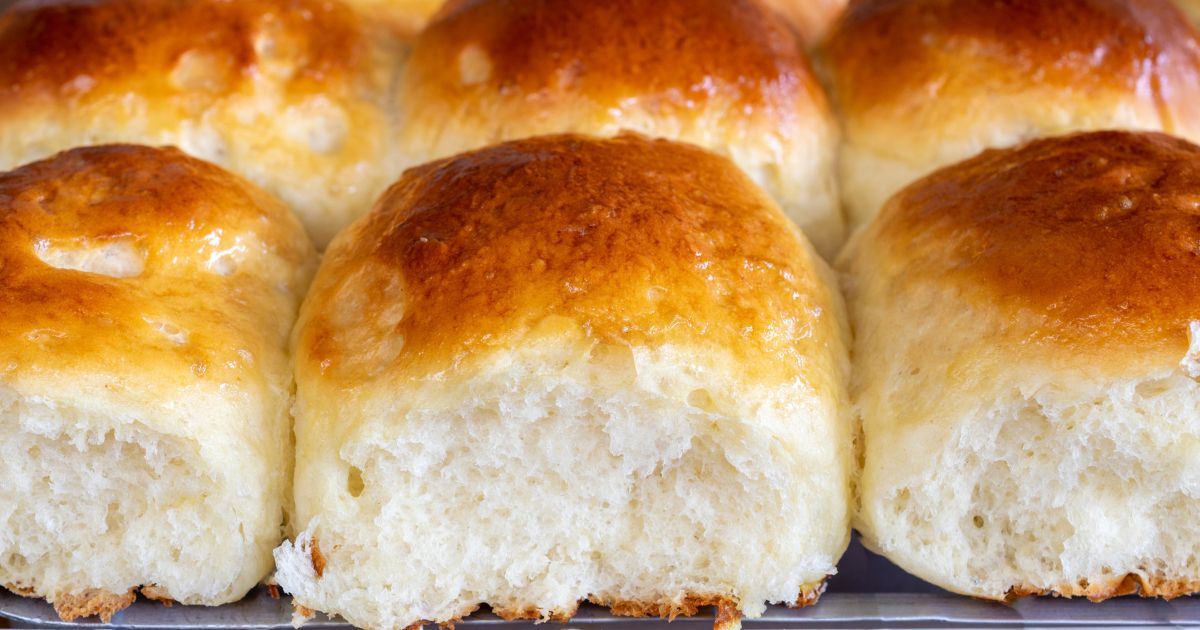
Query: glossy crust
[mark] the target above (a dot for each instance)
(629, 246)
(1049, 293)
(602, 49)
(289, 93)
(889, 51)
(726, 75)
(491, 257)
(1039, 228)
(924, 83)
(101, 195)
(148, 277)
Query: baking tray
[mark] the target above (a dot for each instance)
(868, 592)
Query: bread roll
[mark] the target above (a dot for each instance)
(566, 368)
(1026, 369)
(292, 94)
(810, 18)
(920, 84)
(727, 75)
(145, 303)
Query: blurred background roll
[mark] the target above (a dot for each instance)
(924, 83)
(728, 75)
(567, 368)
(405, 17)
(810, 18)
(145, 303)
(292, 94)
(1027, 366)
(1191, 8)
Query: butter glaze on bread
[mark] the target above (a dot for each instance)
(292, 94)
(920, 84)
(727, 75)
(567, 368)
(145, 302)
(1027, 361)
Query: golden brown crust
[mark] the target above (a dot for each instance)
(810, 594)
(158, 594)
(728, 615)
(72, 606)
(1110, 586)
(61, 49)
(520, 613)
(894, 55)
(674, 53)
(613, 236)
(177, 215)
(1095, 233)
(292, 94)
(307, 613)
(24, 590)
(688, 606)
(318, 558)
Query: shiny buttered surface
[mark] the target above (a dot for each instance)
(1027, 353)
(145, 303)
(520, 343)
(920, 84)
(728, 75)
(292, 94)
(603, 364)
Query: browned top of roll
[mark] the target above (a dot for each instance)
(679, 51)
(633, 241)
(1097, 232)
(122, 255)
(901, 52)
(62, 48)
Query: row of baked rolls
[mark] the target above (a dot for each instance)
(564, 369)
(548, 371)
(1026, 368)
(325, 107)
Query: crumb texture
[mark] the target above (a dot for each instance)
(1046, 495)
(545, 490)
